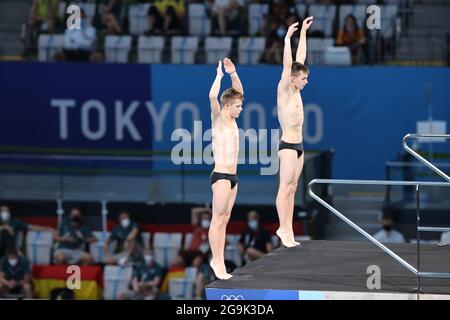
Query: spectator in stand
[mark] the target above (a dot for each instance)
(10, 228)
(227, 16)
(167, 17)
(79, 44)
(132, 256)
(276, 23)
(111, 12)
(255, 241)
(200, 240)
(15, 275)
(42, 17)
(125, 230)
(72, 239)
(145, 282)
(352, 37)
(388, 234)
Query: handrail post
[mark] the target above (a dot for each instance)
(418, 239)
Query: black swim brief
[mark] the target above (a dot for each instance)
(219, 176)
(294, 146)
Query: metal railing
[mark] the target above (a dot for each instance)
(419, 157)
(417, 184)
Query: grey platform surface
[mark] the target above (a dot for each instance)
(341, 266)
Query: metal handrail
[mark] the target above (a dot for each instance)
(364, 233)
(419, 157)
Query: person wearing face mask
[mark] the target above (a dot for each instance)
(255, 241)
(125, 230)
(200, 241)
(10, 228)
(145, 282)
(15, 276)
(387, 234)
(72, 239)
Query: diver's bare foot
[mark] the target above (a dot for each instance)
(284, 239)
(220, 271)
(292, 241)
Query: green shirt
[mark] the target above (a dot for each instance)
(67, 228)
(120, 234)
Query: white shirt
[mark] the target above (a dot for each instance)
(392, 236)
(445, 237)
(83, 38)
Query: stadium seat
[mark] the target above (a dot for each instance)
(316, 50)
(337, 56)
(231, 252)
(323, 18)
(150, 49)
(217, 48)
(250, 49)
(39, 247)
(48, 45)
(199, 23)
(116, 281)
(256, 13)
(96, 248)
(138, 18)
(146, 239)
(301, 11)
(388, 20)
(117, 48)
(181, 288)
(187, 240)
(184, 49)
(166, 247)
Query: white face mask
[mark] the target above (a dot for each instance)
(204, 248)
(13, 261)
(5, 215)
(205, 223)
(122, 261)
(125, 223)
(149, 258)
(253, 224)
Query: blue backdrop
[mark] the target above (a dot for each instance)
(362, 112)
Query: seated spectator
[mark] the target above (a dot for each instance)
(10, 229)
(145, 282)
(125, 230)
(111, 15)
(79, 44)
(42, 17)
(275, 26)
(388, 234)
(200, 240)
(227, 16)
(15, 275)
(352, 37)
(445, 239)
(133, 255)
(167, 17)
(255, 241)
(72, 239)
